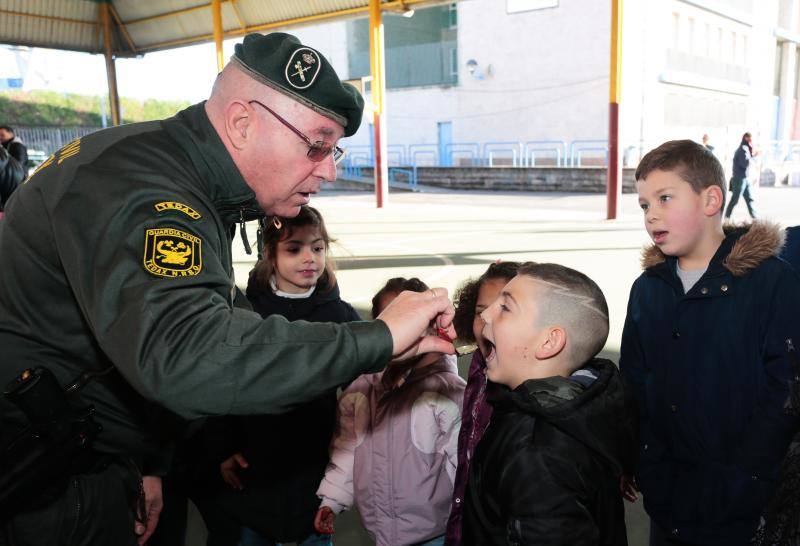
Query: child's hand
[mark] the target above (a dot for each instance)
(628, 488)
(323, 521)
(228, 468)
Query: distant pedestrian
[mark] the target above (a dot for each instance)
(739, 185)
(707, 143)
(14, 145)
(11, 175)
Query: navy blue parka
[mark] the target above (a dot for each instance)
(710, 371)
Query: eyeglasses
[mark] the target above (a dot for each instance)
(317, 151)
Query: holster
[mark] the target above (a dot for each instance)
(38, 463)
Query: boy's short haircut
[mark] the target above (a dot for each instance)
(573, 301)
(692, 162)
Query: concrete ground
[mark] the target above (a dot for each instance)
(445, 238)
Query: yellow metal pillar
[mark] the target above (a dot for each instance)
(614, 184)
(216, 14)
(377, 65)
(111, 71)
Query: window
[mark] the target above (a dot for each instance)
(452, 15)
(420, 50)
(517, 6)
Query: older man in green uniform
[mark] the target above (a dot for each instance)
(116, 274)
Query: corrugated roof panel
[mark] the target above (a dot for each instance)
(49, 23)
(257, 12)
(70, 9)
(130, 10)
(191, 24)
(53, 23)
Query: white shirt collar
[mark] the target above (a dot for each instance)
(283, 294)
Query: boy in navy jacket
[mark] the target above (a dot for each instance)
(705, 349)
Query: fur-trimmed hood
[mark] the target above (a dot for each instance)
(755, 242)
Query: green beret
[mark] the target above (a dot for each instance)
(280, 61)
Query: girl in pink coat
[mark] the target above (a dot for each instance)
(394, 453)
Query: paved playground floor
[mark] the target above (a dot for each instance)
(445, 238)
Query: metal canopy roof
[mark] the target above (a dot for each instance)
(141, 26)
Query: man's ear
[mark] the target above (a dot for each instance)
(712, 200)
(238, 123)
(553, 342)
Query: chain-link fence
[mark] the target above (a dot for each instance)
(50, 139)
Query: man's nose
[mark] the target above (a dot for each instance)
(326, 169)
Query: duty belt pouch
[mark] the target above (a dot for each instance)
(55, 445)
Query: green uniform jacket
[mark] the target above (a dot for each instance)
(118, 251)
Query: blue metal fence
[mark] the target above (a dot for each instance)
(493, 153)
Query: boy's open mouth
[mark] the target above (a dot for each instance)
(492, 353)
(659, 236)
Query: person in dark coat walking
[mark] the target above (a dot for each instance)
(740, 185)
(11, 175)
(563, 432)
(15, 146)
(705, 349)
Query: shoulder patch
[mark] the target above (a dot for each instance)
(170, 252)
(180, 207)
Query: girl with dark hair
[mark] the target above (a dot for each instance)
(740, 186)
(274, 486)
(472, 299)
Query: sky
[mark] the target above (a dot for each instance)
(180, 74)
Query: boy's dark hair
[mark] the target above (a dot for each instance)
(692, 162)
(265, 267)
(574, 302)
(395, 286)
(8, 128)
(466, 297)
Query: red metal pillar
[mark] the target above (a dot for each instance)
(614, 183)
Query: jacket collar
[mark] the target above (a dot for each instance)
(745, 246)
(221, 180)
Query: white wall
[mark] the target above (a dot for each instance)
(548, 80)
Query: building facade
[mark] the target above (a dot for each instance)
(529, 78)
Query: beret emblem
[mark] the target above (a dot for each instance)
(303, 67)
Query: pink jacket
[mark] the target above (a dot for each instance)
(395, 453)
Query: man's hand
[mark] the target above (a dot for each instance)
(323, 521)
(408, 318)
(153, 503)
(229, 470)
